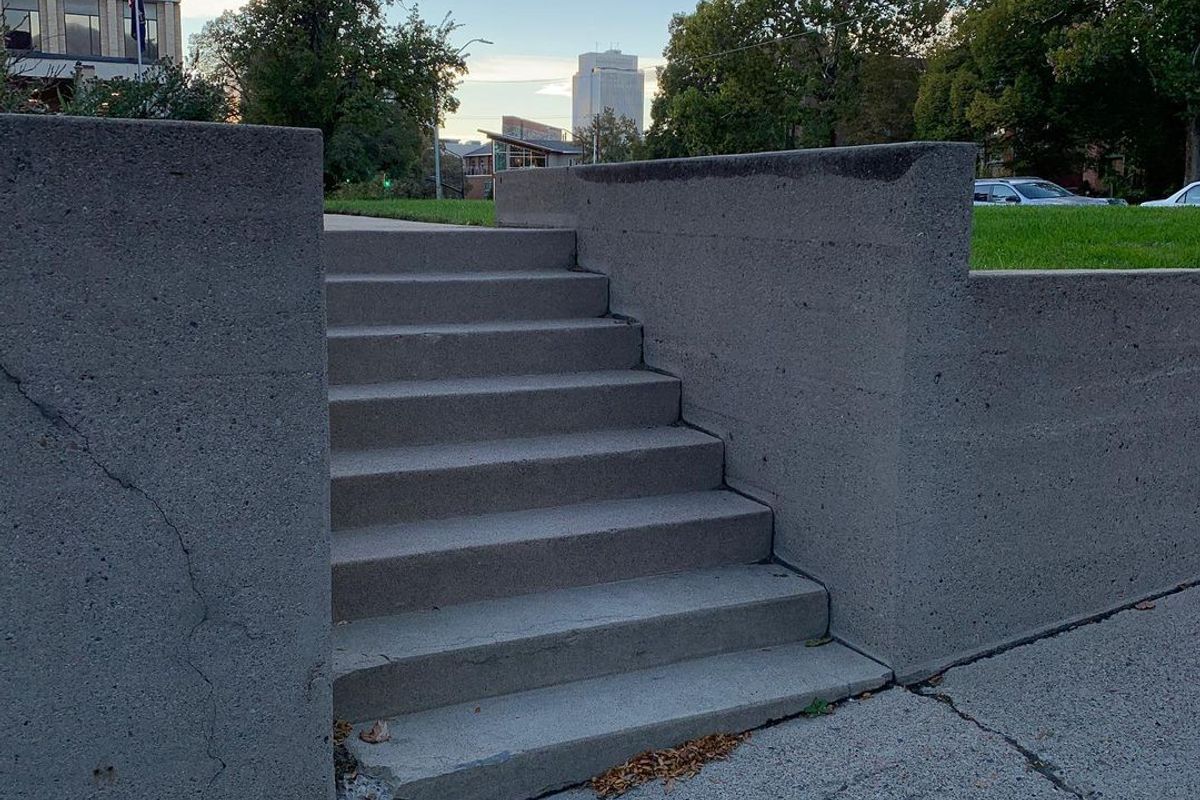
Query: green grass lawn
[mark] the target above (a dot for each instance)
(455, 212)
(1104, 237)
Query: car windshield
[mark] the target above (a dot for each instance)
(1042, 190)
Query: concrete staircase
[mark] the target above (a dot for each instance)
(536, 570)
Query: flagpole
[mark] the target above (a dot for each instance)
(139, 13)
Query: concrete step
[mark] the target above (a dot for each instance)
(507, 406)
(399, 664)
(390, 569)
(524, 745)
(380, 353)
(405, 299)
(448, 250)
(465, 479)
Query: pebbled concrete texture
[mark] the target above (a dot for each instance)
(965, 460)
(1106, 710)
(1110, 708)
(163, 446)
(893, 746)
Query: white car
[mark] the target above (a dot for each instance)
(1032, 192)
(1187, 196)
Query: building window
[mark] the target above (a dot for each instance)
(83, 27)
(22, 24)
(152, 41)
(524, 158)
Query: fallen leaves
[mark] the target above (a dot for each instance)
(671, 764)
(821, 642)
(341, 730)
(1145, 605)
(376, 734)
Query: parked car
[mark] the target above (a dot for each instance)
(1033, 192)
(1187, 196)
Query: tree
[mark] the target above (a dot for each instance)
(753, 75)
(1158, 38)
(1003, 79)
(619, 139)
(164, 91)
(335, 65)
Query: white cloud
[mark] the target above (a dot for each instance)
(515, 68)
(561, 89)
(204, 10)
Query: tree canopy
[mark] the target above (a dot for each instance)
(336, 65)
(754, 75)
(1050, 86)
(619, 139)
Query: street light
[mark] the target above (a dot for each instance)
(437, 142)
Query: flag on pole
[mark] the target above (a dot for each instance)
(137, 23)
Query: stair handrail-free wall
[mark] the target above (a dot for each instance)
(164, 502)
(965, 459)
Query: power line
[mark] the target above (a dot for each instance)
(703, 56)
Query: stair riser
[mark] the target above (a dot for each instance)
(358, 501)
(404, 686)
(460, 250)
(525, 774)
(388, 586)
(413, 302)
(355, 424)
(428, 356)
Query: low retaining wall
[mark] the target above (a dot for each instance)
(964, 459)
(164, 512)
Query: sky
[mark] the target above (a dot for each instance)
(527, 71)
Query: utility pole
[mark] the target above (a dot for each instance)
(437, 142)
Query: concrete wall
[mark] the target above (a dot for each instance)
(163, 462)
(964, 460)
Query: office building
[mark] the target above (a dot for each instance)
(67, 38)
(608, 80)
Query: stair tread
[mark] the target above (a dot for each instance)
(741, 689)
(536, 276)
(376, 641)
(410, 538)
(464, 454)
(490, 326)
(494, 384)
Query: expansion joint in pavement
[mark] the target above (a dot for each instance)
(1036, 763)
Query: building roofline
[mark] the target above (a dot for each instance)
(567, 149)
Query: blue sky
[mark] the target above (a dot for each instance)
(527, 71)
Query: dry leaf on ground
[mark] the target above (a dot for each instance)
(1145, 605)
(376, 734)
(341, 730)
(671, 764)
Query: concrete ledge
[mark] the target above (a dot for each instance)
(963, 458)
(163, 447)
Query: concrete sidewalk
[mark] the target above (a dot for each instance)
(1110, 709)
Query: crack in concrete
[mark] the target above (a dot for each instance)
(58, 420)
(1054, 632)
(1047, 769)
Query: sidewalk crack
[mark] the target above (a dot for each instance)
(1036, 763)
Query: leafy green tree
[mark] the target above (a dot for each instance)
(337, 66)
(1159, 39)
(619, 139)
(1015, 77)
(754, 75)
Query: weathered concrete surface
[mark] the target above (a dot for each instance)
(163, 446)
(964, 460)
(1110, 708)
(893, 746)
